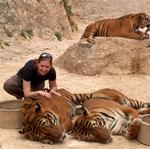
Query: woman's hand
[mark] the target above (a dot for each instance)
(54, 92)
(43, 93)
(53, 87)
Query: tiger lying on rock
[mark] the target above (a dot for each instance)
(112, 113)
(126, 26)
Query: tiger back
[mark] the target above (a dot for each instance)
(119, 97)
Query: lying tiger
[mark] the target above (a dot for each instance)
(112, 113)
(49, 119)
(42, 119)
(126, 26)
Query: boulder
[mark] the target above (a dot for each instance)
(109, 55)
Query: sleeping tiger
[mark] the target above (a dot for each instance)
(126, 26)
(117, 96)
(101, 117)
(41, 122)
(49, 119)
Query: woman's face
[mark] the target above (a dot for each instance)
(43, 67)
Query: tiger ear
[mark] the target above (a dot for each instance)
(37, 107)
(85, 111)
(141, 15)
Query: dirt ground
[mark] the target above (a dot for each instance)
(135, 86)
(20, 50)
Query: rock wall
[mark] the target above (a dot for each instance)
(42, 18)
(100, 9)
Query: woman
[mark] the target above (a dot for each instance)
(30, 79)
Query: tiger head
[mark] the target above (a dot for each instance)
(90, 127)
(141, 20)
(39, 124)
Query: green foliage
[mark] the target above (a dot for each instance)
(58, 35)
(3, 44)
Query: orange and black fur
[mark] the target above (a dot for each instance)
(109, 112)
(49, 119)
(126, 26)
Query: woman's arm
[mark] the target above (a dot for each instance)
(53, 87)
(28, 93)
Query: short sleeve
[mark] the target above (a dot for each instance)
(28, 71)
(52, 74)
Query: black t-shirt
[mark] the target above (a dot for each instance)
(29, 73)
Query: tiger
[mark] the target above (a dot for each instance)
(125, 26)
(49, 119)
(117, 96)
(103, 117)
(77, 99)
(109, 94)
(39, 122)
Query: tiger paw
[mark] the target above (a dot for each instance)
(47, 141)
(136, 121)
(143, 36)
(91, 41)
(146, 36)
(84, 44)
(133, 128)
(21, 131)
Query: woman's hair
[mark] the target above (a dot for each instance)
(45, 56)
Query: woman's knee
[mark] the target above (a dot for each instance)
(11, 84)
(7, 86)
(13, 87)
